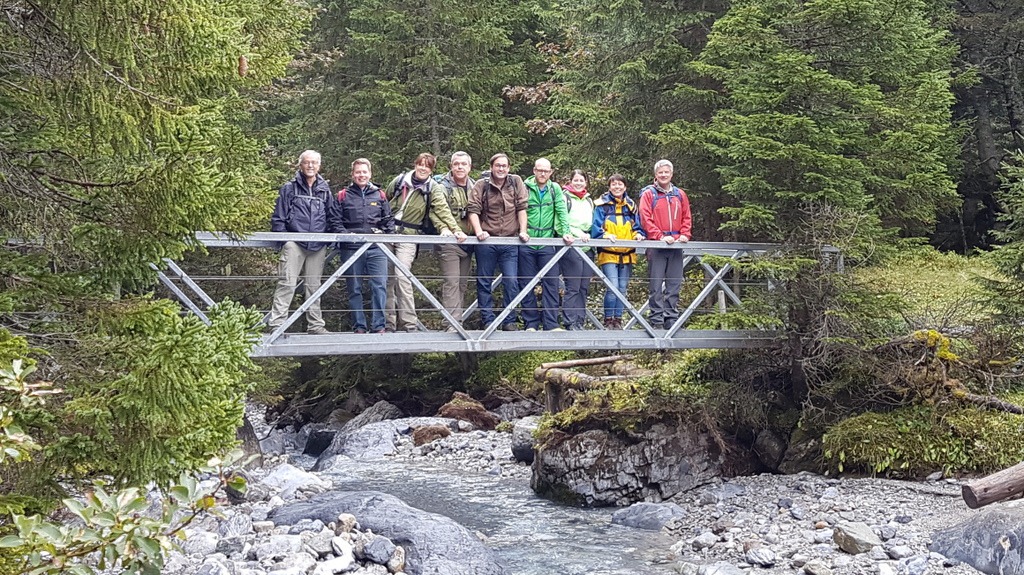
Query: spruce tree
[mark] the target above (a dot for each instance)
(829, 108)
(122, 132)
(619, 74)
(388, 79)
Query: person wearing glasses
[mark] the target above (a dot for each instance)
(497, 207)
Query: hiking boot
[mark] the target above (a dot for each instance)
(616, 323)
(510, 327)
(531, 329)
(411, 328)
(556, 329)
(270, 327)
(318, 330)
(359, 330)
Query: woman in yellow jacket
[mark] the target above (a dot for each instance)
(616, 217)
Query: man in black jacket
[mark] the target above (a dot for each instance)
(302, 206)
(361, 208)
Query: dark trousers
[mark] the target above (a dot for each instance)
(490, 258)
(665, 269)
(576, 275)
(531, 260)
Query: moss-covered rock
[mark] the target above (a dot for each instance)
(465, 408)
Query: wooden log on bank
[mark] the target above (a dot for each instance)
(556, 378)
(995, 487)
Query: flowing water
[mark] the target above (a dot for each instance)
(531, 536)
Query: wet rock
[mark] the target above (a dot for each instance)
(650, 516)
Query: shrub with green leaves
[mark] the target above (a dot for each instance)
(915, 441)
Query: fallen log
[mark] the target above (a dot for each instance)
(585, 362)
(556, 378)
(995, 487)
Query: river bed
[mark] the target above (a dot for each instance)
(532, 536)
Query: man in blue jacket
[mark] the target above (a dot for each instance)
(362, 208)
(302, 206)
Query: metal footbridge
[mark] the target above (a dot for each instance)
(709, 264)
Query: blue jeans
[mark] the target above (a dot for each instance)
(488, 259)
(619, 275)
(531, 260)
(372, 266)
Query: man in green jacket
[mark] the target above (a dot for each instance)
(419, 206)
(546, 217)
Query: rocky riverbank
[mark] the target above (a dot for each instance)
(294, 522)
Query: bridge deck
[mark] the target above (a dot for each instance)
(716, 293)
(428, 342)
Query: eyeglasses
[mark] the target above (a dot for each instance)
(540, 171)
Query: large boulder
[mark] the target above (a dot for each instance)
(991, 541)
(434, 544)
(601, 468)
(522, 438)
(373, 442)
(380, 411)
(376, 440)
(802, 454)
(645, 515)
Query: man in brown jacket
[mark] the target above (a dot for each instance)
(497, 207)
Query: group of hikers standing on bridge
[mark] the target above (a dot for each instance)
(498, 204)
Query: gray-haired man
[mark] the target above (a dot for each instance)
(456, 259)
(302, 206)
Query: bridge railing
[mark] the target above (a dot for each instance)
(637, 332)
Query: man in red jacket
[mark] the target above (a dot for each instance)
(665, 217)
